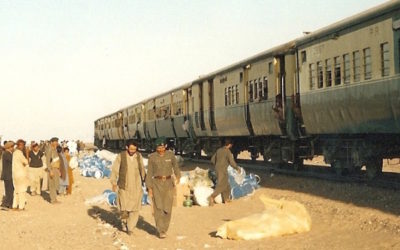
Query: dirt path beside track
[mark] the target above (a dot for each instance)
(344, 216)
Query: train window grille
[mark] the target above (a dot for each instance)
(328, 72)
(338, 77)
(367, 64)
(255, 90)
(229, 96)
(237, 94)
(261, 89)
(346, 66)
(356, 66)
(251, 91)
(226, 96)
(320, 75)
(265, 88)
(312, 75)
(385, 58)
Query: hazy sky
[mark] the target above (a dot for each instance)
(64, 64)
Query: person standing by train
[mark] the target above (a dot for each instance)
(35, 168)
(6, 174)
(161, 166)
(53, 169)
(127, 176)
(20, 176)
(221, 160)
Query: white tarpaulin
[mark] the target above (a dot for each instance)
(279, 218)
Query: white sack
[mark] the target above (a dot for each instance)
(279, 218)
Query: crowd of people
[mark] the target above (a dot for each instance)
(37, 169)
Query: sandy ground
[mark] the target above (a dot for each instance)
(344, 216)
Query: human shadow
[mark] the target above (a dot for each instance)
(145, 226)
(112, 218)
(45, 195)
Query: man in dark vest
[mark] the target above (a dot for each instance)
(6, 174)
(222, 159)
(162, 165)
(35, 168)
(127, 176)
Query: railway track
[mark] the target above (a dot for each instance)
(386, 180)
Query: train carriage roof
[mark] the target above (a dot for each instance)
(333, 30)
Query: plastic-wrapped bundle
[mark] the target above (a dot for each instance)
(93, 166)
(201, 194)
(242, 184)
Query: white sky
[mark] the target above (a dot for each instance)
(64, 63)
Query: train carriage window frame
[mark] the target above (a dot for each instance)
(250, 94)
(320, 75)
(226, 96)
(303, 57)
(265, 96)
(337, 70)
(346, 68)
(255, 90)
(237, 94)
(270, 68)
(356, 66)
(385, 59)
(367, 63)
(261, 89)
(328, 72)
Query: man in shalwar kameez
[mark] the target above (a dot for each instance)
(162, 165)
(20, 176)
(127, 175)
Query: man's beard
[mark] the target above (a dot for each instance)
(131, 154)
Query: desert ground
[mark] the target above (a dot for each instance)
(344, 216)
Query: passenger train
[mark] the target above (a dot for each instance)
(333, 92)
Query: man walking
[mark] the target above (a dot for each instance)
(6, 174)
(53, 169)
(221, 160)
(128, 174)
(162, 165)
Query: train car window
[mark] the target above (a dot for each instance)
(320, 75)
(261, 89)
(338, 76)
(255, 90)
(265, 88)
(312, 75)
(346, 66)
(229, 95)
(270, 68)
(328, 72)
(385, 59)
(226, 96)
(241, 76)
(367, 64)
(356, 66)
(251, 91)
(233, 101)
(303, 57)
(237, 94)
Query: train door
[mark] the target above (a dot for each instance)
(211, 105)
(248, 90)
(201, 96)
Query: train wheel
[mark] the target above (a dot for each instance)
(374, 168)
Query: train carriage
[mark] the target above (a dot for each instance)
(334, 92)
